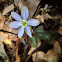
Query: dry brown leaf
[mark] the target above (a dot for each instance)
(46, 16)
(29, 3)
(40, 56)
(19, 59)
(0, 14)
(8, 42)
(52, 55)
(41, 18)
(57, 47)
(8, 9)
(4, 36)
(9, 18)
(16, 2)
(60, 30)
(5, 25)
(3, 54)
(2, 1)
(20, 4)
(2, 20)
(7, 28)
(31, 50)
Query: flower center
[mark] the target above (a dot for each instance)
(23, 23)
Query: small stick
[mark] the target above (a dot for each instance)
(25, 51)
(17, 49)
(17, 43)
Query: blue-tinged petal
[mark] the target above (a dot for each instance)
(33, 22)
(28, 31)
(24, 12)
(14, 24)
(16, 16)
(20, 33)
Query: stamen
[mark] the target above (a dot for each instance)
(23, 23)
(20, 19)
(22, 26)
(18, 23)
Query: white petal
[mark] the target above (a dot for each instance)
(20, 33)
(33, 22)
(24, 12)
(14, 24)
(28, 31)
(16, 16)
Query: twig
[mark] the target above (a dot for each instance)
(1, 30)
(17, 43)
(25, 51)
(17, 49)
(36, 45)
(37, 10)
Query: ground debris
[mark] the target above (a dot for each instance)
(4, 36)
(8, 9)
(3, 54)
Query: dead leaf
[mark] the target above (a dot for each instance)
(9, 29)
(60, 30)
(41, 18)
(8, 9)
(52, 55)
(9, 18)
(16, 2)
(2, 20)
(57, 47)
(4, 25)
(2, 1)
(18, 60)
(8, 42)
(4, 36)
(31, 50)
(20, 4)
(29, 3)
(0, 13)
(40, 56)
(3, 53)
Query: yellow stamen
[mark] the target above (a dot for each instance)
(23, 23)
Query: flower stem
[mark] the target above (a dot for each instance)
(36, 43)
(25, 51)
(17, 49)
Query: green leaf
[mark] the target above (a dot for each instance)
(47, 35)
(33, 43)
(47, 10)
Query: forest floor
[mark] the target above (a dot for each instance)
(46, 43)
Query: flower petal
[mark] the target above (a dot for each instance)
(20, 33)
(33, 22)
(24, 12)
(16, 16)
(14, 24)
(28, 31)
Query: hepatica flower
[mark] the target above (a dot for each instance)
(22, 22)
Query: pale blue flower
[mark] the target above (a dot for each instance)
(22, 22)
